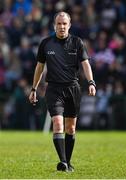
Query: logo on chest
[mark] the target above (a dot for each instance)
(50, 52)
(72, 53)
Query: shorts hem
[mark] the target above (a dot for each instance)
(70, 116)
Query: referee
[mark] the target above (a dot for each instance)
(62, 54)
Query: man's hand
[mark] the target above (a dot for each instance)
(92, 90)
(32, 98)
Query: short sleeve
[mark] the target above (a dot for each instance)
(41, 57)
(82, 50)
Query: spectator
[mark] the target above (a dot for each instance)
(27, 58)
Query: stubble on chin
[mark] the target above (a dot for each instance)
(62, 36)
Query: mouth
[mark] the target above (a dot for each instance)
(62, 31)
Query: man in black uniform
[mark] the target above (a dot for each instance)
(62, 54)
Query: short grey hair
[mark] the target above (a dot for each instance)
(62, 13)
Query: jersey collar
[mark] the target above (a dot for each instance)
(62, 40)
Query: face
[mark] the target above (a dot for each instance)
(62, 26)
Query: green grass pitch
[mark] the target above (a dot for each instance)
(31, 155)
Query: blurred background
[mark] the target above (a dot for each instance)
(100, 23)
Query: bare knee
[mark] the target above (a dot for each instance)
(57, 124)
(70, 125)
(70, 129)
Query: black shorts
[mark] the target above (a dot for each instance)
(63, 100)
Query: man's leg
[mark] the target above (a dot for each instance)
(70, 126)
(59, 141)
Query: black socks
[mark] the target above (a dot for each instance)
(64, 146)
(69, 144)
(59, 143)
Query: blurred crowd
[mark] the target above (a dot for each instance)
(24, 23)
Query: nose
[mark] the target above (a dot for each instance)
(62, 26)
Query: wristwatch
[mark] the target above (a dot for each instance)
(92, 82)
(33, 89)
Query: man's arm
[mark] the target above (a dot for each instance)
(89, 76)
(37, 75)
(87, 70)
(36, 80)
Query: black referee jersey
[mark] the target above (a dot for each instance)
(62, 57)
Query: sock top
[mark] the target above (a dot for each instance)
(58, 136)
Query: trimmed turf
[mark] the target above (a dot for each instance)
(31, 155)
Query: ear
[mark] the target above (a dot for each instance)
(70, 25)
(54, 27)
